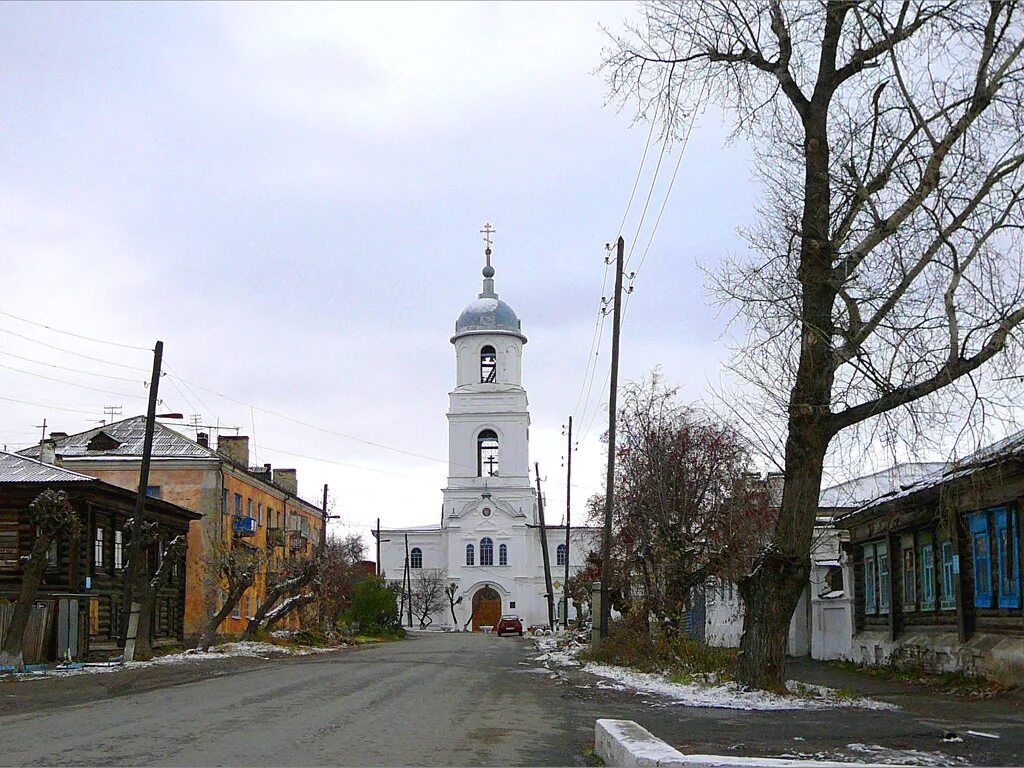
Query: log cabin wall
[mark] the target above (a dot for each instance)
(89, 567)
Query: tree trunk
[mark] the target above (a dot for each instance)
(32, 578)
(210, 634)
(284, 589)
(289, 606)
(146, 595)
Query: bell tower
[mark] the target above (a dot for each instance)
(488, 412)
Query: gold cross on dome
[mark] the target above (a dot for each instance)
(487, 231)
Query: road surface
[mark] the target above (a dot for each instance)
(456, 699)
(433, 699)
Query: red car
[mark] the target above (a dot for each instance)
(509, 624)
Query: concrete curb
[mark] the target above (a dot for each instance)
(626, 744)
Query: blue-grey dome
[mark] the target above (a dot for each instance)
(488, 313)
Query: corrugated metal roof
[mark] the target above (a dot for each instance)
(125, 438)
(21, 469)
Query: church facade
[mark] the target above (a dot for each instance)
(488, 542)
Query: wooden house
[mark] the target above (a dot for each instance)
(79, 601)
(937, 568)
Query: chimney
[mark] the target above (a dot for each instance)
(203, 438)
(58, 435)
(48, 451)
(235, 448)
(287, 480)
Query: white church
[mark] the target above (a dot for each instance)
(488, 541)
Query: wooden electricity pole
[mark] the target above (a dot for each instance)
(408, 579)
(378, 546)
(568, 513)
(135, 544)
(549, 592)
(609, 494)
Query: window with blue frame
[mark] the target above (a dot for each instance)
(948, 601)
(486, 551)
(416, 558)
(927, 577)
(876, 578)
(470, 552)
(978, 523)
(1005, 524)
(870, 581)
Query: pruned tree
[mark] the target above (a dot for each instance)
(883, 273)
(427, 594)
(450, 592)
(236, 568)
(686, 510)
(147, 589)
(286, 587)
(52, 516)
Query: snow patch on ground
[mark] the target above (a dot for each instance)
(876, 753)
(250, 649)
(726, 695)
(562, 652)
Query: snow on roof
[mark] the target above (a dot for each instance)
(21, 469)
(125, 438)
(860, 490)
(1001, 450)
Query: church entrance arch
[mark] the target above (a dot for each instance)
(486, 607)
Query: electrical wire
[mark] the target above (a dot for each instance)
(70, 383)
(75, 335)
(72, 370)
(96, 412)
(72, 352)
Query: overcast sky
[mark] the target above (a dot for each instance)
(290, 197)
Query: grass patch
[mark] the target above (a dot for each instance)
(681, 658)
(949, 683)
(590, 756)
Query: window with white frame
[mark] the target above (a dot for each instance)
(470, 559)
(97, 549)
(560, 554)
(486, 551)
(502, 554)
(118, 550)
(416, 558)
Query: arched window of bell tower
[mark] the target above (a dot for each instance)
(488, 365)
(487, 459)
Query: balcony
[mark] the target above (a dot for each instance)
(276, 537)
(297, 540)
(243, 526)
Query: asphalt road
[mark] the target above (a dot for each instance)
(433, 699)
(456, 699)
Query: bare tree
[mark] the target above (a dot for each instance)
(235, 567)
(882, 272)
(52, 516)
(450, 592)
(340, 572)
(148, 587)
(427, 594)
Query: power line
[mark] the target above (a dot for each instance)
(331, 461)
(316, 427)
(53, 407)
(75, 335)
(70, 383)
(72, 352)
(72, 370)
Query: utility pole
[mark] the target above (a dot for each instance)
(408, 578)
(378, 546)
(609, 494)
(544, 551)
(131, 573)
(568, 511)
